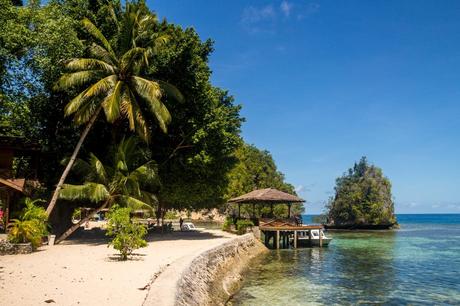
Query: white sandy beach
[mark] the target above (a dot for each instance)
(87, 272)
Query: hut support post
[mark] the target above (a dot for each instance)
(295, 239)
(289, 210)
(277, 239)
(239, 210)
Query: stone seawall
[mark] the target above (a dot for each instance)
(214, 276)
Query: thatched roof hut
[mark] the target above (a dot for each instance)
(268, 196)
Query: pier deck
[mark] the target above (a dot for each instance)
(282, 231)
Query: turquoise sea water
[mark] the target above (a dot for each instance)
(418, 264)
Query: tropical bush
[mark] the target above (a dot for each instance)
(242, 226)
(127, 235)
(227, 224)
(31, 226)
(170, 215)
(76, 215)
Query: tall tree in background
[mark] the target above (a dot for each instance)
(116, 87)
(256, 169)
(362, 196)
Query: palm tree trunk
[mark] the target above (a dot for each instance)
(54, 199)
(74, 227)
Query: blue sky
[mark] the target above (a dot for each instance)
(323, 83)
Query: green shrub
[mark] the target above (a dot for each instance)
(170, 215)
(242, 225)
(227, 224)
(127, 235)
(31, 225)
(76, 215)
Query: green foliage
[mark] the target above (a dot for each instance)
(76, 215)
(113, 71)
(242, 225)
(31, 226)
(227, 224)
(256, 169)
(127, 235)
(362, 196)
(170, 215)
(126, 179)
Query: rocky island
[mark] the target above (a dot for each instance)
(362, 200)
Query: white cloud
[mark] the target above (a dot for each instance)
(253, 14)
(300, 188)
(286, 8)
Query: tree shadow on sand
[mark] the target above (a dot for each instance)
(97, 236)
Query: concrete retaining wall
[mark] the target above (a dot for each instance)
(214, 276)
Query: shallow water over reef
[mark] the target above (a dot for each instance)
(418, 264)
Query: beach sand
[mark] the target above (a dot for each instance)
(84, 271)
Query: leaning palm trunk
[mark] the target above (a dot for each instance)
(88, 127)
(74, 227)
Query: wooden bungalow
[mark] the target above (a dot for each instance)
(276, 232)
(15, 184)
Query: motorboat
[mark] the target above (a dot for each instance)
(311, 238)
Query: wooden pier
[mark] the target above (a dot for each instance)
(277, 233)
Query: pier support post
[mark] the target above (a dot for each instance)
(295, 239)
(320, 239)
(277, 239)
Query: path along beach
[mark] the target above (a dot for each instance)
(87, 272)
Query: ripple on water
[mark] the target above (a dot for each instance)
(415, 265)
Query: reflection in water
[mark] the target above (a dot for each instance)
(419, 264)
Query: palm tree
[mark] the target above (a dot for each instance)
(126, 181)
(115, 82)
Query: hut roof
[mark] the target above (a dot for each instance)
(16, 184)
(268, 195)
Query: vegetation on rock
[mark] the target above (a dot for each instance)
(362, 197)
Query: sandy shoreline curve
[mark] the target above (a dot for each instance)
(87, 272)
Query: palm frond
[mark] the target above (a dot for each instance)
(86, 112)
(89, 191)
(102, 86)
(112, 103)
(100, 53)
(151, 93)
(133, 202)
(98, 169)
(96, 33)
(132, 111)
(90, 64)
(80, 167)
(133, 57)
(76, 103)
(146, 175)
(171, 91)
(79, 78)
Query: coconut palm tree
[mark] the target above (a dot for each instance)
(115, 85)
(127, 181)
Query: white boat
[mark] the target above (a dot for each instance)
(311, 238)
(188, 227)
